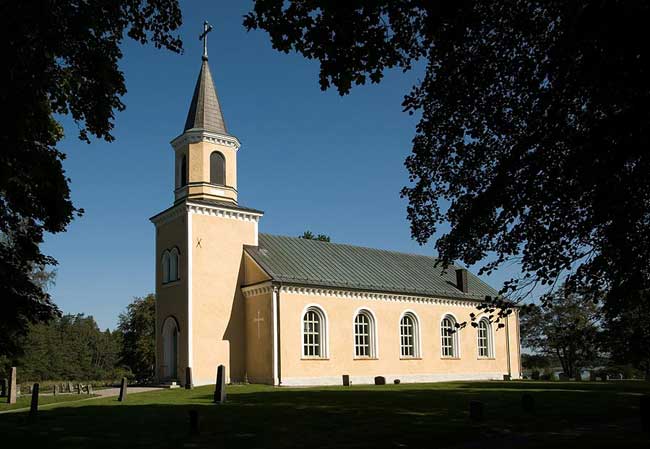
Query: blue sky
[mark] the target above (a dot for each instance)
(309, 159)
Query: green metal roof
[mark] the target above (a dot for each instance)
(314, 263)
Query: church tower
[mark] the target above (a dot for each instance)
(199, 248)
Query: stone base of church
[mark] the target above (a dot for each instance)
(390, 378)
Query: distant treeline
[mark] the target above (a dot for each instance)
(72, 347)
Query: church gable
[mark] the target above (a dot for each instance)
(315, 263)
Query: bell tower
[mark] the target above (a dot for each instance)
(200, 309)
(205, 154)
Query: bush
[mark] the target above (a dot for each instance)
(535, 375)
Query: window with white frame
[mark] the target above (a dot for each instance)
(364, 335)
(484, 338)
(408, 336)
(313, 333)
(449, 337)
(165, 266)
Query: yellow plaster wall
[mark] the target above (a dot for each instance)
(253, 274)
(341, 311)
(218, 312)
(171, 299)
(259, 351)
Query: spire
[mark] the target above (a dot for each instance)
(205, 111)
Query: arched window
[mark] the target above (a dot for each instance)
(484, 335)
(217, 169)
(184, 171)
(365, 345)
(173, 265)
(165, 266)
(409, 336)
(314, 333)
(449, 337)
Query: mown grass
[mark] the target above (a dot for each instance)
(567, 414)
(25, 401)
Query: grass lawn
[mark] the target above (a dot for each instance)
(25, 401)
(568, 414)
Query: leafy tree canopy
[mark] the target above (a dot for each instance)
(567, 327)
(137, 326)
(57, 58)
(533, 134)
(308, 235)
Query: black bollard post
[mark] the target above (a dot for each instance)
(644, 410)
(33, 409)
(194, 422)
(220, 387)
(188, 378)
(123, 387)
(528, 403)
(476, 411)
(346, 380)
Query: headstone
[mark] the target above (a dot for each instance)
(69, 387)
(396, 381)
(476, 411)
(12, 395)
(3, 388)
(188, 378)
(33, 409)
(346, 380)
(380, 380)
(506, 377)
(220, 387)
(29, 389)
(194, 422)
(123, 388)
(54, 390)
(78, 388)
(528, 403)
(90, 389)
(644, 410)
(563, 377)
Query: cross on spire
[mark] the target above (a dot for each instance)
(204, 37)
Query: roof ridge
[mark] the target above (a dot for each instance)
(348, 245)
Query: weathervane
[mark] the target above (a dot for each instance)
(204, 37)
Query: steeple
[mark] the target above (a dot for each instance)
(205, 110)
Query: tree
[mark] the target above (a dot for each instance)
(308, 235)
(137, 327)
(59, 58)
(533, 132)
(566, 327)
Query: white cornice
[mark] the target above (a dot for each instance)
(267, 287)
(256, 290)
(169, 215)
(199, 135)
(216, 211)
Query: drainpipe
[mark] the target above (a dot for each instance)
(276, 361)
(508, 345)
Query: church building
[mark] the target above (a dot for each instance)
(287, 311)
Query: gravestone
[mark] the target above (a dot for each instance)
(396, 381)
(644, 410)
(69, 387)
(123, 387)
(89, 390)
(12, 395)
(346, 380)
(54, 390)
(33, 409)
(476, 411)
(563, 377)
(506, 377)
(194, 422)
(3, 388)
(188, 378)
(528, 403)
(78, 388)
(380, 380)
(220, 387)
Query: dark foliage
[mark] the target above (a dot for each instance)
(533, 136)
(308, 235)
(57, 58)
(137, 326)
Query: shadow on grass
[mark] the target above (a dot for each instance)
(359, 417)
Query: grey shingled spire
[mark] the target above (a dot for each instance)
(205, 111)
